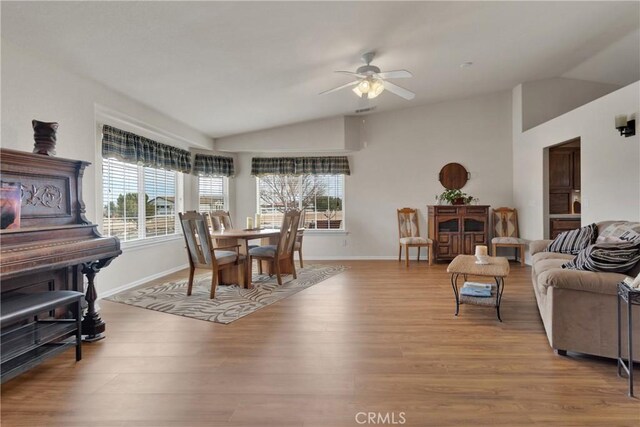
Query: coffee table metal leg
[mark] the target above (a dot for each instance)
(454, 285)
(499, 291)
(630, 352)
(619, 338)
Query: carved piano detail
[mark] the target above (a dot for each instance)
(55, 244)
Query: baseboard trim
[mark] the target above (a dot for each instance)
(350, 258)
(139, 282)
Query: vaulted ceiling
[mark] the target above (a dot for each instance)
(226, 68)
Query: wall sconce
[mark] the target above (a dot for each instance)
(626, 128)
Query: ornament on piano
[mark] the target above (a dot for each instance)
(45, 136)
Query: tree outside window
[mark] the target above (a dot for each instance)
(319, 197)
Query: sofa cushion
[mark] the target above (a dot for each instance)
(547, 264)
(573, 241)
(617, 257)
(619, 231)
(588, 281)
(551, 255)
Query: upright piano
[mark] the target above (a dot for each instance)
(55, 246)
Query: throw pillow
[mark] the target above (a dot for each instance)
(622, 230)
(607, 257)
(573, 241)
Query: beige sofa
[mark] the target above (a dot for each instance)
(579, 308)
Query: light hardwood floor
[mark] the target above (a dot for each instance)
(376, 338)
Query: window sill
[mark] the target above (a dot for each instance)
(134, 245)
(312, 232)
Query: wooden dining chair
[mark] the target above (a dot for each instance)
(203, 254)
(283, 251)
(409, 235)
(505, 230)
(219, 219)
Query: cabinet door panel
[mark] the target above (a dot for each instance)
(560, 169)
(455, 245)
(471, 240)
(559, 203)
(576, 169)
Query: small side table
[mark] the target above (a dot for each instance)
(465, 265)
(630, 297)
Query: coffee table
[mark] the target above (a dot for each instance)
(465, 265)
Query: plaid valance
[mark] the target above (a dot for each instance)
(205, 165)
(338, 165)
(131, 148)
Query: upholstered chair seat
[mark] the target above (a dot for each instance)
(508, 241)
(226, 257)
(265, 250)
(415, 240)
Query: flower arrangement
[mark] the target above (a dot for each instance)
(454, 197)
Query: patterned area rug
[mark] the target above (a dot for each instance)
(231, 302)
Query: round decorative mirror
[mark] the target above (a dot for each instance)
(453, 176)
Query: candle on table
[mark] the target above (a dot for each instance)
(258, 220)
(481, 250)
(249, 222)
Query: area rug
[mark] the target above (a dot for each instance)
(231, 302)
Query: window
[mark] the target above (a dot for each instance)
(320, 197)
(124, 214)
(211, 193)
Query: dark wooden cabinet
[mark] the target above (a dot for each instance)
(564, 177)
(560, 225)
(457, 230)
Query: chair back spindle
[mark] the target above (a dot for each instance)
(288, 233)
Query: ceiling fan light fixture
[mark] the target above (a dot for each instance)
(369, 82)
(377, 87)
(364, 86)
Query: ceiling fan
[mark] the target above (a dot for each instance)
(371, 82)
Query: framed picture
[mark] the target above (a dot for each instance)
(10, 201)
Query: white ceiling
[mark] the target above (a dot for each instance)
(226, 68)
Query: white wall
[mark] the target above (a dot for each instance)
(405, 150)
(33, 88)
(610, 163)
(325, 134)
(543, 100)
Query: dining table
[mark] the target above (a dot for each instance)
(267, 236)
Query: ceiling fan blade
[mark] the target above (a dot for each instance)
(395, 74)
(400, 91)
(351, 73)
(353, 83)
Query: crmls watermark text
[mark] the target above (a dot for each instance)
(381, 418)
